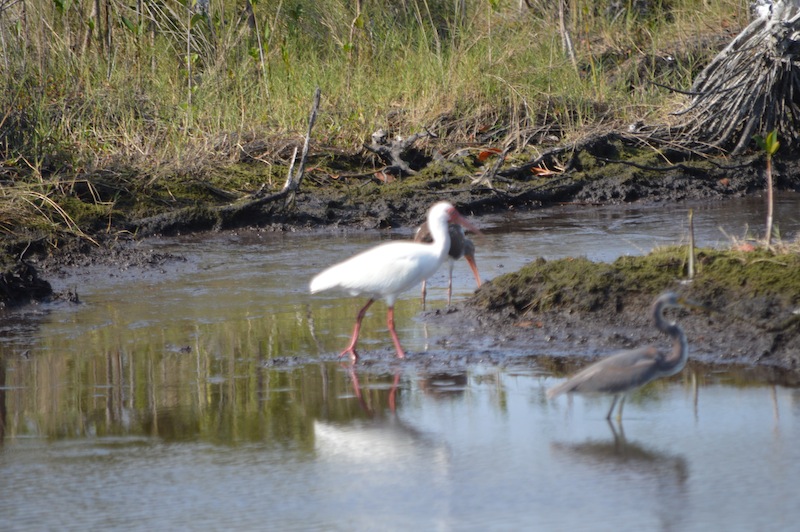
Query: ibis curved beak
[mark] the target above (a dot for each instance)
(456, 218)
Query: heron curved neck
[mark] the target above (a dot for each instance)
(679, 354)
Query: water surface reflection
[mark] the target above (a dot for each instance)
(648, 481)
(158, 403)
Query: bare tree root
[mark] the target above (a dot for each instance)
(751, 87)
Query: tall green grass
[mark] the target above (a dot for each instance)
(162, 87)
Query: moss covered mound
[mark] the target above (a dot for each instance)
(723, 278)
(754, 297)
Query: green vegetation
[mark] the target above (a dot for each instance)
(723, 276)
(110, 109)
(769, 145)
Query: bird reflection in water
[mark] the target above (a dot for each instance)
(382, 439)
(392, 399)
(658, 479)
(618, 450)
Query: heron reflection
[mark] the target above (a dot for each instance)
(623, 372)
(659, 479)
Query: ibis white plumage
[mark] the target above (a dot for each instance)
(387, 270)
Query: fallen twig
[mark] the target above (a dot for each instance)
(293, 181)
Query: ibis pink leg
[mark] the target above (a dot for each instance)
(424, 292)
(351, 349)
(395, 339)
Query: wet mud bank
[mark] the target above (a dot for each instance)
(347, 190)
(577, 307)
(600, 171)
(589, 308)
(20, 283)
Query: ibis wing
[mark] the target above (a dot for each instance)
(383, 270)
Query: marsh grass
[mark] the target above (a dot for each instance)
(164, 89)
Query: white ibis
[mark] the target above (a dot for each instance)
(460, 246)
(385, 271)
(625, 371)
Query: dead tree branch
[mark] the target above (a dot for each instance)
(292, 184)
(393, 152)
(752, 86)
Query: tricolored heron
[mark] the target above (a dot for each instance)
(625, 371)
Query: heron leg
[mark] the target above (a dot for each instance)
(395, 339)
(619, 435)
(351, 349)
(424, 292)
(619, 412)
(613, 404)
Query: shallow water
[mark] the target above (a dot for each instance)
(154, 403)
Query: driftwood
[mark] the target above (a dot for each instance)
(293, 181)
(395, 151)
(750, 88)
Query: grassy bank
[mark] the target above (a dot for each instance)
(113, 107)
(752, 297)
(726, 277)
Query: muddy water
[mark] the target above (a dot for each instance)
(157, 403)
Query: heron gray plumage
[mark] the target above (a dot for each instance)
(625, 371)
